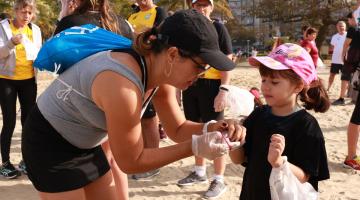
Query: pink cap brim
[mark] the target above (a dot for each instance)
(268, 62)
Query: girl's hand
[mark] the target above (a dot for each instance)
(234, 130)
(276, 148)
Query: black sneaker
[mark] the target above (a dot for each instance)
(339, 101)
(192, 179)
(22, 167)
(8, 170)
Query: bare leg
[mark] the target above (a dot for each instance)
(344, 87)
(199, 161)
(69, 195)
(121, 181)
(331, 81)
(219, 165)
(352, 139)
(103, 188)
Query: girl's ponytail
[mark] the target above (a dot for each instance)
(315, 97)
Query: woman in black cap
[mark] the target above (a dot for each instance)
(102, 96)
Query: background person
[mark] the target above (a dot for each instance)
(204, 101)
(351, 55)
(309, 44)
(20, 41)
(337, 63)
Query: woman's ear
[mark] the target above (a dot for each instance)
(172, 54)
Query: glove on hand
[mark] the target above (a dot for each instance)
(210, 145)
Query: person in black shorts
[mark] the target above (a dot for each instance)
(102, 98)
(337, 44)
(352, 60)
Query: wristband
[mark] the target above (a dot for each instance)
(204, 130)
(224, 88)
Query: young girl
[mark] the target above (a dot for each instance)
(283, 127)
(309, 44)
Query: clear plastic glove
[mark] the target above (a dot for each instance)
(209, 145)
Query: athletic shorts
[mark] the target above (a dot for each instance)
(336, 68)
(355, 117)
(198, 100)
(52, 163)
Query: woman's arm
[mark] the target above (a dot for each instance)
(172, 117)
(121, 102)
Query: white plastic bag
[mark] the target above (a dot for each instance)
(239, 102)
(285, 186)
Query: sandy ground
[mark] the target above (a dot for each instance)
(344, 183)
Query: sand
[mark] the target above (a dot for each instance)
(343, 184)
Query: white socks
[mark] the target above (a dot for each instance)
(219, 178)
(200, 170)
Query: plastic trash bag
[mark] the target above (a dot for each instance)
(239, 102)
(285, 186)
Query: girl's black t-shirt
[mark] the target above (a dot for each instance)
(304, 147)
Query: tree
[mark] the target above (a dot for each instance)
(318, 13)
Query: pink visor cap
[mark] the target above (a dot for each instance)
(289, 56)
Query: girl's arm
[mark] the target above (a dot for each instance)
(237, 156)
(299, 173)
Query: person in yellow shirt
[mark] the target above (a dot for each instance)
(149, 16)
(20, 40)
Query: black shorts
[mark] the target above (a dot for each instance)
(150, 111)
(55, 165)
(335, 68)
(355, 117)
(198, 100)
(352, 61)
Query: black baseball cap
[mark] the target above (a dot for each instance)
(189, 30)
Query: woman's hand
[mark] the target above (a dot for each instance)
(17, 39)
(234, 130)
(276, 148)
(219, 102)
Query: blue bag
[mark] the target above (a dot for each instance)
(74, 44)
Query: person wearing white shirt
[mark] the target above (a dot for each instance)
(337, 43)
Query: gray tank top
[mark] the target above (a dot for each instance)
(68, 105)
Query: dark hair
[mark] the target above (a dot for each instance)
(310, 31)
(313, 96)
(144, 44)
(350, 15)
(108, 18)
(304, 28)
(151, 41)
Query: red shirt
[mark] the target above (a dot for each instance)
(314, 52)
